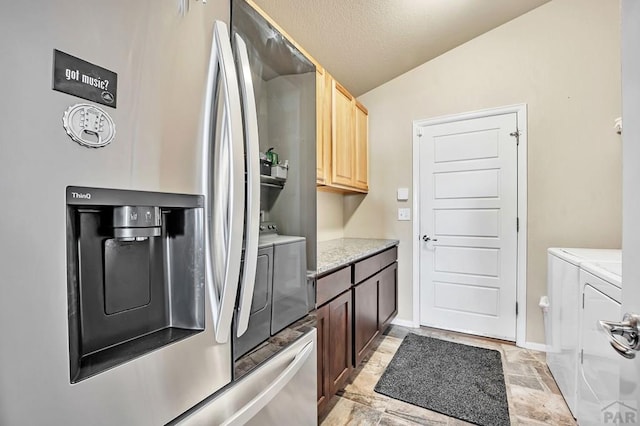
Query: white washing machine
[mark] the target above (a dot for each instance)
(599, 373)
(562, 323)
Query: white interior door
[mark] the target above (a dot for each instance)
(468, 213)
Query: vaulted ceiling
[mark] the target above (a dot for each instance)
(365, 43)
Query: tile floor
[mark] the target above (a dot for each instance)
(534, 398)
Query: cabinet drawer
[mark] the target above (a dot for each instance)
(372, 265)
(333, 285)
(387, 257)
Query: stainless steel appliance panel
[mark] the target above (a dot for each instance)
(158, 113)
(281, 391)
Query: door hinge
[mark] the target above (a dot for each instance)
(516, 135)
(581, 356)
(582, 300)
(516, 308)
(517, 224)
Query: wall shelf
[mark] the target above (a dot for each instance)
(272, 182)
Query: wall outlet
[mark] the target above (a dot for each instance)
(404, 214)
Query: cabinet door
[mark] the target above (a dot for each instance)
(342, 141)
(326, 125)
(365, 316)
(322, 148)
(340, 342)
(388, 295)
(361, 175)
(322, 318)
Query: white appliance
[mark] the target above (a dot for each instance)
(104, 108)
(563, 289)
(599, 374)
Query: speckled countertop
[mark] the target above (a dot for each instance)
(334, 254)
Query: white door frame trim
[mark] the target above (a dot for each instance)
(521, 285)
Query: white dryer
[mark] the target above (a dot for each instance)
(564, 292)
(599, 373)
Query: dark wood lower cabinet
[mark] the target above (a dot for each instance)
(335, 345)
(351, 316)
(340, 342)
(365, 319)
(322, 324)
(387, 295)
(375, 304)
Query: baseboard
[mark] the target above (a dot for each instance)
(540, 347)
(404, 323)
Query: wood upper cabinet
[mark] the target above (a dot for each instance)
(361, 174)
(343, 136)
(323, 126)
(343, 159)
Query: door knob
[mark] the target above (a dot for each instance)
(427, 238)
(629, 342)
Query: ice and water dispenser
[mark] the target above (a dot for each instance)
(135, 270)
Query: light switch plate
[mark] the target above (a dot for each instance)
(403, 194)
(404, 214)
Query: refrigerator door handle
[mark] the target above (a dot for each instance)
(222, 182)
(261, 400)
(252, 148)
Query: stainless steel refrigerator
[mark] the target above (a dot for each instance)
(131, 200)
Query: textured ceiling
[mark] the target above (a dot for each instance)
(365, 43)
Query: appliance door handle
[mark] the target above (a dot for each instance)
(252, 149)
(222, 181)
(629, 332)
(261, 400)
